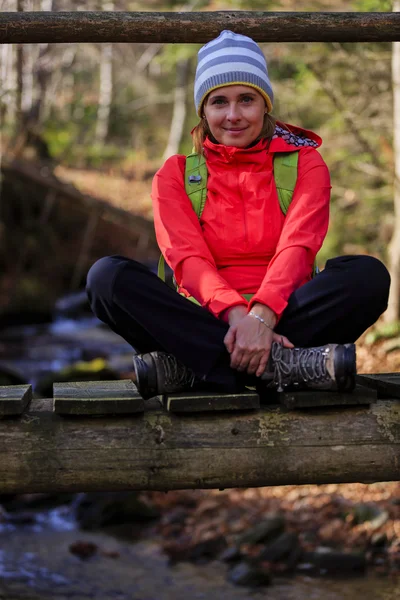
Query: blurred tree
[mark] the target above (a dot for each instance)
(106, 85)
(8, 73)
(179, 109)
(393, 312)
(19, 69)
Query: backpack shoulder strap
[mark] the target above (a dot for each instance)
(196, 188)
(161, 267)
(196, 181)
(285, 175)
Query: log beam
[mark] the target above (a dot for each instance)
(44, 452)
(197, 27)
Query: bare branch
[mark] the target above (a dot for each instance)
(197, 27)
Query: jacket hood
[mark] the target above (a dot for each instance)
(290, 137)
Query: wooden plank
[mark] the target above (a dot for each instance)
(14, 399)
(97, 398)
(317, 399)
(386, 384)
(205, 402)
(158, 450)
(196, 27)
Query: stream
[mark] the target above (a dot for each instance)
(36, 561)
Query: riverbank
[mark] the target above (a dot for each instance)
(204, 544)
(39, 565)
(348, 520)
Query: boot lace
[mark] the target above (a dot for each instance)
(175, 373)
(298, 365)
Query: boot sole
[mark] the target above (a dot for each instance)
(345, 367)
(146, 388)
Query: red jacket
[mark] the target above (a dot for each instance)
(243, 243)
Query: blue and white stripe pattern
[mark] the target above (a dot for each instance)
(228, 60)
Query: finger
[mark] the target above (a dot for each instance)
(281, 339)
(287, 343)
(244, 361)
(229, 339)
(262, 364)
(236, 357)
(254, 363)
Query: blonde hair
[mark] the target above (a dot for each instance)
(202, 130)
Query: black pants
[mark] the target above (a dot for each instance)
(337, 306)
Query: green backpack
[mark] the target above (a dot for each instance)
(196, 175)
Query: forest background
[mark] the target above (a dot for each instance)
(105, 116)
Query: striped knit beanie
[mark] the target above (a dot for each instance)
(231, 59)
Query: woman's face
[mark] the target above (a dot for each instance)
(235, 114)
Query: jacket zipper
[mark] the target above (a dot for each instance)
(246, 240)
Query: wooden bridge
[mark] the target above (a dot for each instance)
(91, 438)
(101, 436)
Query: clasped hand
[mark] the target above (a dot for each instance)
(249, 341)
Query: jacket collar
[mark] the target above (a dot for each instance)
(217, 152)
(286, 138)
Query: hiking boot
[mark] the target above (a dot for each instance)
(161, 373)
(329, 367)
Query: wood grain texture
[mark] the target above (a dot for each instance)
(197, 402)
(386, 384)
(317, 399)
(14, 399)
(196, 27)
(97, 398)
(156, 450)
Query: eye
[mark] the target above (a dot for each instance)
(247, 99)
(217, 100)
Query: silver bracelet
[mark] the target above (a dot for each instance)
(251, 314)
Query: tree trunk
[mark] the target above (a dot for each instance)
(44, 452)
(198, 27)
(106, 87)
(8, 74)
(52, 74)
(393, 311)
(43, 71)
(29, 52)
(179, 110)
(7, 82)
(20, 68)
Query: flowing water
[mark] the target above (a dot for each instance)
(36, 564)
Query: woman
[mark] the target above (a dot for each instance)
(294, 328)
